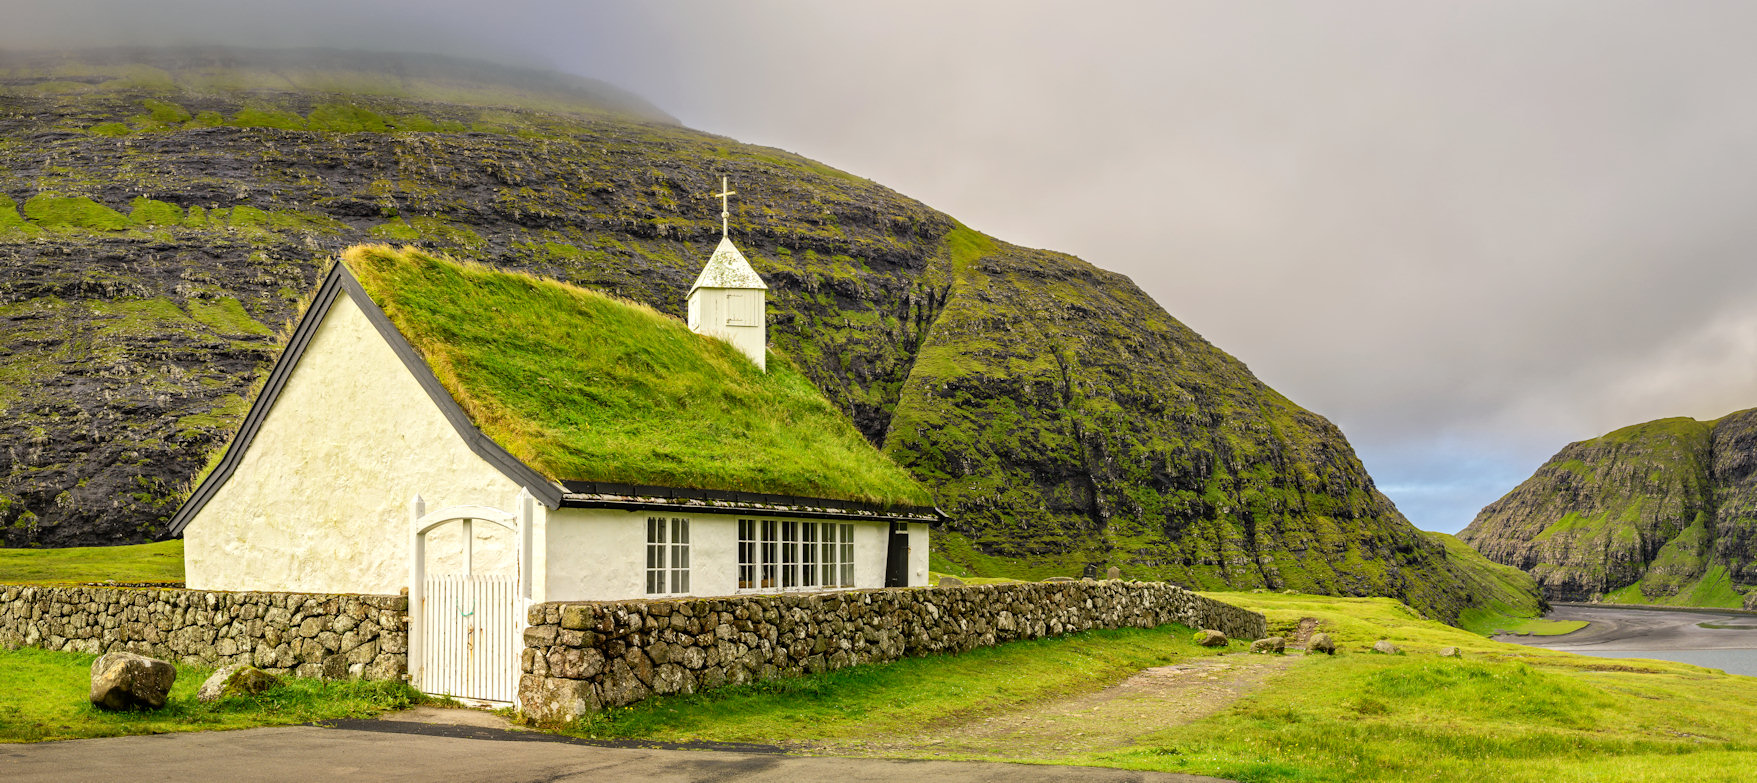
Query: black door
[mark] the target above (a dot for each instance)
(897, 556)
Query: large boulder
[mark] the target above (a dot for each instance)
(239, 679)
(1272, 644)
(1450, 652)
(1385, 647)
(951, 581)
(1321, 643)
(126, 681)
(1210, 638)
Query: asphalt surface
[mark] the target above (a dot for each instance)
(1622, 629)
(405, 751)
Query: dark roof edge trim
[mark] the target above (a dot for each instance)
(338, 280)
(658, 504)
(660, 494)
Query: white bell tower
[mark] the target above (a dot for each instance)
(729, 300)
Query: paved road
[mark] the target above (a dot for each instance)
(1614, 629)
(384, 752)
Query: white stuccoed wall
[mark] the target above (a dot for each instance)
(708, 313)
(600, 554)
(320, 501)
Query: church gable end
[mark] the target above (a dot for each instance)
(316, 500)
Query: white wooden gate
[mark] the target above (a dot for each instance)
(466, 631)
(470, 632)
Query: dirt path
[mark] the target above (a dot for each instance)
(1114, 718)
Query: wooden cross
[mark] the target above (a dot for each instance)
(725, 208)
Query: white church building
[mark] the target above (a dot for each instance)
(379, 457)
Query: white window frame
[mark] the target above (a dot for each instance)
(667, 550)
(748, 562)
(794, 556)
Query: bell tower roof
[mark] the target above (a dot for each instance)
(727, 267)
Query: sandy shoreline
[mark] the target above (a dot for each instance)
(1627, 629)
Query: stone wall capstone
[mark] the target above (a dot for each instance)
(583, 657)
(302, 634)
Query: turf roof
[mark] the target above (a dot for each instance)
(582, 386)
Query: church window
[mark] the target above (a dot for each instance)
(808, 544)
(679, 555)
(792, 555)
(771, 544)
(789, 554)
(847, 555)
(831, 575)
(837, 550)
(667, 555)
(747, 554)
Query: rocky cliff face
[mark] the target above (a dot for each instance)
(1662, 512)
(162, 216)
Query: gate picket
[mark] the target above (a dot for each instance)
(470, 637)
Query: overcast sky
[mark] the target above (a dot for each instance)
(1468, 233)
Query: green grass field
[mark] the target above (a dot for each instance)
(157, 562)
(45, 696)
(1501, 712)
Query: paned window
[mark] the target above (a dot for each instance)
(832, 576)
(747, 554)
(837, 550)
(792, 555)
(667, 555)
(771, 548)
(679, 555)
(808, 575)
(847, 560)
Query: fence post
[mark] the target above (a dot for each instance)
(417, 583)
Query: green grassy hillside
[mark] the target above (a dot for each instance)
(1656, 513)
(162, 221)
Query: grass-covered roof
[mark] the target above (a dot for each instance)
(582, 386)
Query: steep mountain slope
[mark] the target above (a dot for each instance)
(160, 221)
(1662, 512)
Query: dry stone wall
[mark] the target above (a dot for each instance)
(307, 635)
(583, 657)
